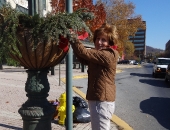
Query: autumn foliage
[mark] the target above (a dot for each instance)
(114, 12)
(98, 10)
(122, 15)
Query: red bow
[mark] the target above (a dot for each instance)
(113, 47)
(83, 36)
(63, 44)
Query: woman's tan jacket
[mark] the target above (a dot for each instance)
(101, 71)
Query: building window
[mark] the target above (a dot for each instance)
(138, 40)
(139, 36)
(140, 32)
(131, 37)
(139, 49)
(139, 45)
(44, 4)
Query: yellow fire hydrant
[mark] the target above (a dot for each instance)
(62, 109)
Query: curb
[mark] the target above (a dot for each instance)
(122, 125)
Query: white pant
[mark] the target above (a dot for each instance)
(101, 113)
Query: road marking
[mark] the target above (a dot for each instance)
(84, 76)
(121, 124)
(75, 77)
(79, 92)
(80, 76)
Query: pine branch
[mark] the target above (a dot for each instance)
(41, 28)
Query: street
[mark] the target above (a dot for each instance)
(141, 101)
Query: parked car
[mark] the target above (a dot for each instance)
(135, 63)
(142, 62)
(123, 62)
(132, 62)
(160, 66)
(167, 75)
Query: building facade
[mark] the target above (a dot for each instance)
(167, 49)
(139, 41)
(22, 5)
(167, 46)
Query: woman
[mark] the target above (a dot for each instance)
(101, 63)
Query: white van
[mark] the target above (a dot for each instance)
(132, 62)
(160, 66)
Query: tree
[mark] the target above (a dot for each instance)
(129, 49)
(122, 15)
(115, 12)
(98, 10)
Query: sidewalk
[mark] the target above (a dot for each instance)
(13, 95)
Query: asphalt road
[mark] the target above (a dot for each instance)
(141, 101)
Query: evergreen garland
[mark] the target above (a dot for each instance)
(47, 28)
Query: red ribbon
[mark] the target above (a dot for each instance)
(63, 44)
(83, 36)
(113, 47)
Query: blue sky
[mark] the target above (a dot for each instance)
(156, 13)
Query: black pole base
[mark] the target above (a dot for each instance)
(37, 112)
(43, 123)
(1, 68)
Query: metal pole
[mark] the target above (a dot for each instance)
(53, 70)
(59, 75)
(69, 66)
(31, 7)
(82, 68)
(1, 68)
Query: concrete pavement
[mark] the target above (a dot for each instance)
(13, 95)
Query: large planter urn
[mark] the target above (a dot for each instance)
(36, 43)
(46, 53)
(37, 112)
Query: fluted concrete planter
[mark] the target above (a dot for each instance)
(38, 51)
(37, 112)
(46, 54)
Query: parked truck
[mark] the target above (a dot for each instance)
(160, 66)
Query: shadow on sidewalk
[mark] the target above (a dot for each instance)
(10, 127)
(159, 108)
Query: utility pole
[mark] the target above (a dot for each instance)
(69, 66)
